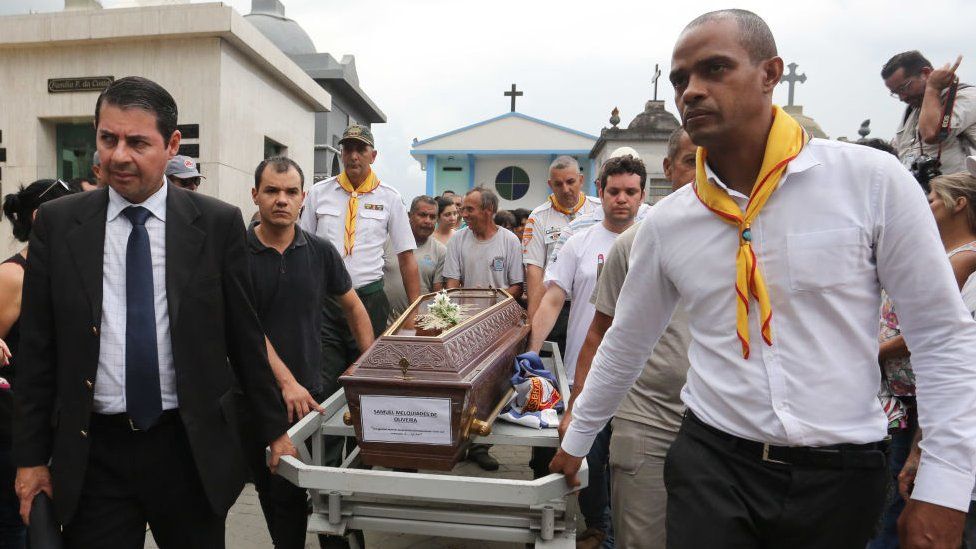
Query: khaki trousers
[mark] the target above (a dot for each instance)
(638, 497)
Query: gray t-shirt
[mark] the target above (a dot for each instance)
(430, 259)
(492, 263)
(655, 398)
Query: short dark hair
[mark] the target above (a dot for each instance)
(489, 200)
(280, 164)
(422, 199)
(754, 33)
(674, 143)
(879, 144)
(505, 218)
(136, 92)
(19, 207)
(521, 214)
(623, 164)
(912, 61)
(447, 192)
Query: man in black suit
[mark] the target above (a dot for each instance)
(135, 296)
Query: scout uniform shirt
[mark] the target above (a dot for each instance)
(543, 227)
(381, 215)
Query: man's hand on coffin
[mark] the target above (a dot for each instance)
(281, 446)
(298, 400)
(29, 482)
(568, 466)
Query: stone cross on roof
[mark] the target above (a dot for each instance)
(657, 74)
(513, 94)
(791, 79)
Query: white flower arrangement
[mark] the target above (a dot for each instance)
(441, 314)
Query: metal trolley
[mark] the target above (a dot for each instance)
(542, 511)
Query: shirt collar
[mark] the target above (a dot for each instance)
(257, 246)
(803, 162)
(156, 203)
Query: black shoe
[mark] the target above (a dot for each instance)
(483, 459)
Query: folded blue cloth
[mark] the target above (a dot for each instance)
(536, 401)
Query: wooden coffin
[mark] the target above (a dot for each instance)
(414, 397)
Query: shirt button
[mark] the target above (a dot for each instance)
(89, 384)
(84, 433)
(95, 331)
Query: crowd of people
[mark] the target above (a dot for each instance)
(777, 354)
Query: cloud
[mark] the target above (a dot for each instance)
(437, 65)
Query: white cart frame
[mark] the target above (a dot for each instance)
(541, 511)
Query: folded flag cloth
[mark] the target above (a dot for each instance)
(536, 401)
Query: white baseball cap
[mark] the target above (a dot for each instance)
(623, 151)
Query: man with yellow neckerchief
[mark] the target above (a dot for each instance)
(778, 251)
(357, 213)
(566, 203)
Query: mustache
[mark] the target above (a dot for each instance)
(695, 111)
(123, 169)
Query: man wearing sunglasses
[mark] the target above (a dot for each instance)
(182, 172)
(911, 78)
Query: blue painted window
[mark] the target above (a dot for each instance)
(512, 183)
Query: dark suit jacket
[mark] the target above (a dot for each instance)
(211, 319)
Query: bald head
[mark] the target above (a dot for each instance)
(754, 33)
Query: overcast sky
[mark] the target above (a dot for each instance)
(437, 65)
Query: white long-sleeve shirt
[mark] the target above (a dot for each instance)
(845, 222)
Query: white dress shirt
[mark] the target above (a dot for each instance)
(110, 380)
(381, 215)
(845, 222)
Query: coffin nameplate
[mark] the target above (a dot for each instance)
(412, 420)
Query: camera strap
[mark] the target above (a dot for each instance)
(946, 124)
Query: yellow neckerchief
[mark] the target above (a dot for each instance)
(560, 209)
(367, 186)
(786, 139)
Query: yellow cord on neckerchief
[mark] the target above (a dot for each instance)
(564, 211)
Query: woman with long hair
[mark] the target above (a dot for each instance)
(20, 209)
(447, 219)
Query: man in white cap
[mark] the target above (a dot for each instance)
(574, 277)
(182, 172)
(648, 419)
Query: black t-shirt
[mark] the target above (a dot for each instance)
(288, 292)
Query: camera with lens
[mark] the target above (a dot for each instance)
(924, 168)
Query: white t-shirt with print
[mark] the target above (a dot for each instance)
(575, 271)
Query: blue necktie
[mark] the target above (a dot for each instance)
(144, 403)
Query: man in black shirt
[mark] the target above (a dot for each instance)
(292, 271)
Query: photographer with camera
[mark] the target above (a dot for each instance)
(938, 129)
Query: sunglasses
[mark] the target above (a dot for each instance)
(55, 184)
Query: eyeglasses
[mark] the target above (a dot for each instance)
(896, 93)
(55, 184)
